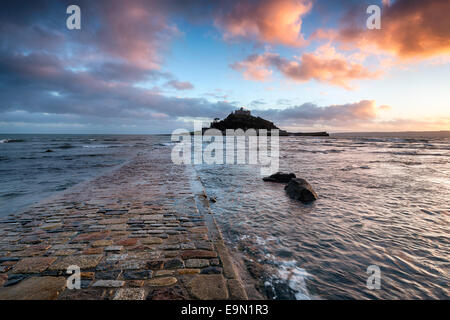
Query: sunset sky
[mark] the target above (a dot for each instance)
(147, 66)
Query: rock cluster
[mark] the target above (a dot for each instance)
(280, 177)
(296, 188)
(300, 189)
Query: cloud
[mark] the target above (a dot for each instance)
(364, 110)
(410, 29)
(334, 70)
(136, 31)
(179, 85)
(39, 83)
(266, 21)
(99, 75)
(257, 102)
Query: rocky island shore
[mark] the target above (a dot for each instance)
(242, 119)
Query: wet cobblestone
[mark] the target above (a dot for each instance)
(136, 233)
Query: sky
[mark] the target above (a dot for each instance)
(148, 66)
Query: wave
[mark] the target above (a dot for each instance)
(96, 146)
(351, 167)
(165, 144)
(92, 146)
(11, 140)
(288, 282)
(66, 146)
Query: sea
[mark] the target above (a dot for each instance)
(384, 204)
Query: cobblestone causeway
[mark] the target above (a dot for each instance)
(141, 231)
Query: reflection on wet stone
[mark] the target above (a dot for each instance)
(126, 230)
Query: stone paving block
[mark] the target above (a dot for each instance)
(127, 242)
(191, 254)
(107, 275)
(132, 264)
(113, 221)
(66, 252)
(211, 270)
(168, 293)
(87, 275)
(82, 261)
(130, 294)
(228, 265)
(49, 226)
(109, 283)
(102, 243)
(188, 271)
(159, 282)
(163, 273)
(34, 288)
(93, 250)
(155, 265)
(91, 236)
(152, 217)
(208, 287)
(174, 264)
(117, 257)
(187, 246)
(33, 265)
(3, 278)
(236, 290)
(197, 263)
(82, 294)
(117, 227)
(137, 274)
(135, 283)
(114, 248)
(143, 255)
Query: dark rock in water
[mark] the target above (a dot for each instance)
(280, 177)
(300, 189)
(48, 150)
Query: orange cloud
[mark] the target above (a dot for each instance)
(136, 31)
(410, 29)
(271, 21)
(332, 69)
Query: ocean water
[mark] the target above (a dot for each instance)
(29, 174)
(384, 200)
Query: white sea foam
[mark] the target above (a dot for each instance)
(295, 277)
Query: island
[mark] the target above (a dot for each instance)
(242, 119)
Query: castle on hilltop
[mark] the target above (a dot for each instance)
(242, 119)
(242, 112)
